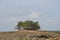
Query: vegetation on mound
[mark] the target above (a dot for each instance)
(28, 25)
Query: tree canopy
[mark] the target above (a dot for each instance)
(28, 25)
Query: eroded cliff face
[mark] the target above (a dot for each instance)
(29, 35)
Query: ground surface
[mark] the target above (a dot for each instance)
(29, 35)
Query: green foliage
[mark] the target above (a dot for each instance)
(28, 25)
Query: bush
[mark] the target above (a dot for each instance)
(28, 25)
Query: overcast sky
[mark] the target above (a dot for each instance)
(46, 12)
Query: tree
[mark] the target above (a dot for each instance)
(28, 25)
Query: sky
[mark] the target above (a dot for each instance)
(46, 12)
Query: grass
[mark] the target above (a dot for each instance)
(29, 35)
